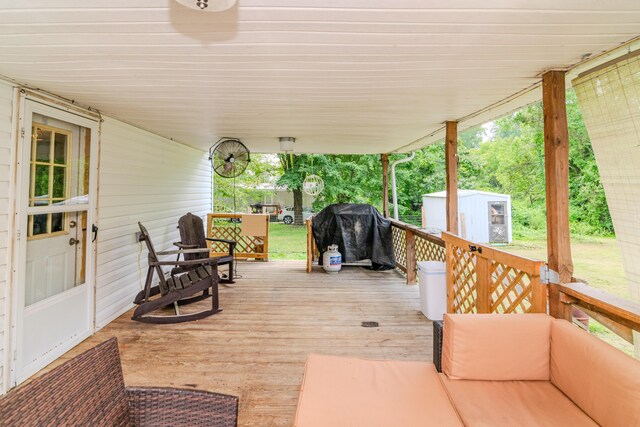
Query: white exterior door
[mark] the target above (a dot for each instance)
(54, 274)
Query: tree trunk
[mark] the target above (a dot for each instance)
(297, 207)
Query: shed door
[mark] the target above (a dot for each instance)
(498, 232)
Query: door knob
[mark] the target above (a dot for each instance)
(73, 241)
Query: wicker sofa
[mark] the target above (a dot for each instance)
(89, 390)
(497, 370)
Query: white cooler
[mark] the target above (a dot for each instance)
(433, 288)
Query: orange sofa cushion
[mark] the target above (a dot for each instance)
(496, 347)
(513, 403)
(339, 391)
(602, 381)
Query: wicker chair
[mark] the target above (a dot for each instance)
(89, 390)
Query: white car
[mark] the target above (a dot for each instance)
(286, 214)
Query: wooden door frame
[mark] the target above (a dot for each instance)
(28, 104)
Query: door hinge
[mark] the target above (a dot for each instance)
(548, 275)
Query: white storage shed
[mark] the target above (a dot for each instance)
(483, 217)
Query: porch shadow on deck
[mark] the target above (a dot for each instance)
(273, 317)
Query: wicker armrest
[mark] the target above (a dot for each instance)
(437, 344)
(179, 407)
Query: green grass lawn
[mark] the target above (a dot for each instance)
(597, 261)
(287, 241)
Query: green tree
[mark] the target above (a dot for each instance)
(236, 193)
(294, 171)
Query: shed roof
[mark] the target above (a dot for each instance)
(465, 193)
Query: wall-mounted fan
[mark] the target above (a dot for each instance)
(229, 157)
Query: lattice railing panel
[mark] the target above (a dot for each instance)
(482, 279)
(463, 279)
(244, 244)
(399, 237)
(511, 290)
(426, 250)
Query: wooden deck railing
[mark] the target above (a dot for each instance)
(225, 226)
(482, 279)
(621, 316)
(411, 244)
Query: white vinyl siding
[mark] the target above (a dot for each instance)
(6, 156)
(146, 178)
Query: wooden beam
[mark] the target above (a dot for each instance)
(451, 161)
(384, 158)
(556, 153)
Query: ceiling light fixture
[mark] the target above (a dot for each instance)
(286, 143)
(208, 5)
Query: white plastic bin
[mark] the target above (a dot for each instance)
(433, 288)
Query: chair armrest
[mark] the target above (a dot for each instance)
(183, 246)
(437, 344)
(151, 406)
(184, 251)
(208, 261)
(232, 243)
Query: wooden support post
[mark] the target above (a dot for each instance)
(556, 153)
(410, 239)
(451, 161)
(384, 158)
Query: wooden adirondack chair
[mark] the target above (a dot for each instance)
(188, 278)
(192, 236)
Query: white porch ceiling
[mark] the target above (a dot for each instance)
(342, 76)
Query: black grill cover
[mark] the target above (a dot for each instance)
(360, 232)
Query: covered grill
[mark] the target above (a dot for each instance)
(360, 232)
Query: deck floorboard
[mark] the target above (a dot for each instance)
(273, 317)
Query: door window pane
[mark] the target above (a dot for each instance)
(57, 222)
(41, 184)
(60, 150)
(39, 224)
(59, 190)
(42, 145)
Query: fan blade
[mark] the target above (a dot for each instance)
(217, 168)
(241, 157)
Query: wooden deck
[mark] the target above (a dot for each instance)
(273, 317)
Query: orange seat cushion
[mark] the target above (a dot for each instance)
(513, 403)
(338, 391)
(601, 380)
(508, 347)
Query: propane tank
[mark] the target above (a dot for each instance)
(332, 260)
